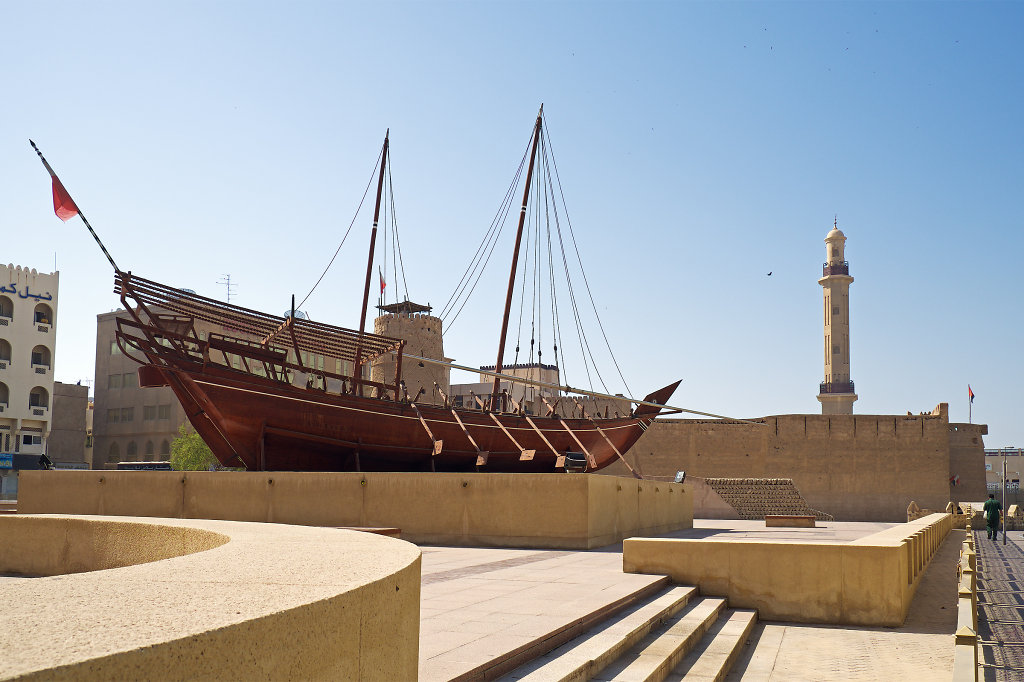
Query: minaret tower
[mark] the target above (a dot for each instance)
(836, 394)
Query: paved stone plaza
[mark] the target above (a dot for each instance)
(478, 604)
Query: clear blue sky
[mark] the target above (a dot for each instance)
(701, 145)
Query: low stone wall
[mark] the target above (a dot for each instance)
(870, 581)
(195, 599)
(567, 511)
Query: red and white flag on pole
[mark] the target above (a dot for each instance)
(63, 204)
(382, 282)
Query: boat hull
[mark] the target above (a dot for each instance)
(266, 425)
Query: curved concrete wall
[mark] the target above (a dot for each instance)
(249, 601)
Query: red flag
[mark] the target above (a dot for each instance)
(63, 204)
(382, 282)
(970, 393)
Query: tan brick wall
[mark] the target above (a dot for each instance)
(855, 467)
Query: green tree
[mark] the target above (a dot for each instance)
(189, 452)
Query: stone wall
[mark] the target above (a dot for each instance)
(967, 461)
(855, 467)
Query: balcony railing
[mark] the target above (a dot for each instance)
(836, 387)
(835, 269)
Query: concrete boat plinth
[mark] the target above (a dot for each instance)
(543, 511)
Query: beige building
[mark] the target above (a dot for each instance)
(28, 313)
(129, 423)
(836, 392)
(1014, 458)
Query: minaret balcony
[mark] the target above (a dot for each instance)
(828, 387)
(835, 269)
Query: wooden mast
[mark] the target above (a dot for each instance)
(357, 375)
(515, 259)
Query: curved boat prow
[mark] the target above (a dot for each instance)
(660, 396)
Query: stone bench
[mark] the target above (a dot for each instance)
(788, 521)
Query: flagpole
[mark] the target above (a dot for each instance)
(77, 209)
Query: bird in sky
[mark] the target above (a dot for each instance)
(769, 274)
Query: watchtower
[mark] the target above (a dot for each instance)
(422, 334)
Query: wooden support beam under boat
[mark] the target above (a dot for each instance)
(590, 458)
(437, 443)
(609, 441)
(542, 436)
(524, 454)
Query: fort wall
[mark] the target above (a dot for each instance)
(967, 462)
(855, 467)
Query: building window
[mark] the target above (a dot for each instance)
(112, 416)
(114, 381)
(164, 412)
(835, 310)
(127, 414)
(130, 380)
(132, 449)
(114, 453)
(31, 440)
(115, 349)
(38, 397)
(6, 307)
(149, 447)
(43, 314)
(148, 413)
(165, 448)
(41, 356)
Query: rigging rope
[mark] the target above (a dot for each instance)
(358, 208)
(554, 163)
(399, 262)
(480, 260)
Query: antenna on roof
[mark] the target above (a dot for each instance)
(226, 281)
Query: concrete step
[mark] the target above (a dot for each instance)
(661, 651)
(713, 658)
(583, 657)
(512, 660)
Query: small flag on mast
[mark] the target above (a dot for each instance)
(382, 282)
(63, 205)
(970, 393)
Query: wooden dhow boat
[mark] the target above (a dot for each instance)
(256, 388)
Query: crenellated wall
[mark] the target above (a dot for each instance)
(855, 467)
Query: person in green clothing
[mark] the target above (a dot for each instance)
(992, 509)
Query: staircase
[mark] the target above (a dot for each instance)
(673, 635)
(754, 498)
